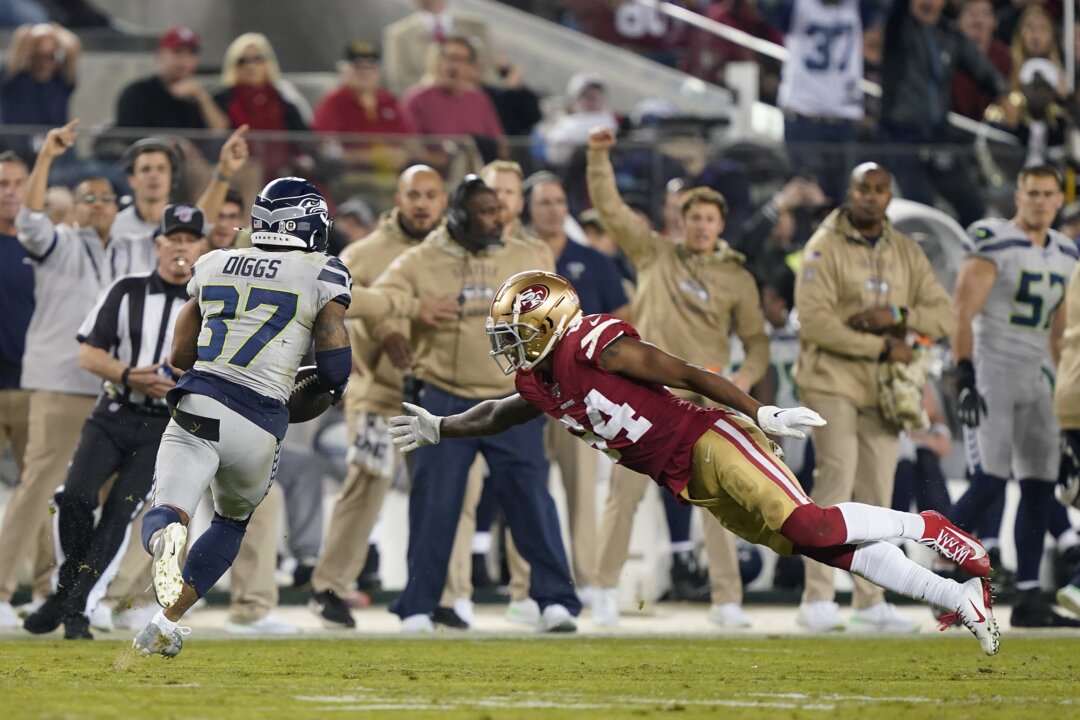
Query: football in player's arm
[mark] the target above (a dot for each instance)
(610, 388)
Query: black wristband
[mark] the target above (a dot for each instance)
(124, 376)
(889, 342)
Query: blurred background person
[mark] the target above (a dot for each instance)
(39, 75)
(227, 225)
(409, 40)
(586, 95)
(60, 205)
(977, 21)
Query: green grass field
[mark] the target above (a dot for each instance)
(567, 677)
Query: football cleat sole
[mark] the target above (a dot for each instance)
(168, 578)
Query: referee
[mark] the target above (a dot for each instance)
(124, 340)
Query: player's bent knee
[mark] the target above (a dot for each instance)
(811, 526)
(214, 552)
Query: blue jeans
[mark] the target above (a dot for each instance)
(519, 469)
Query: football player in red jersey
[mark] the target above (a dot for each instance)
(594, 374)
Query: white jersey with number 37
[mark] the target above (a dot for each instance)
(258, 309)
(822, 74)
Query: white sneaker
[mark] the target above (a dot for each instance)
(588, 595)
(605, 608)
(101, 618)
(168, 578)
(8, 617)
(135, 618)
(975, 612)
(729, 615)
(268, 625)
(417, 625)
(1068, 597)
(465, 610)
(821, 616)
(523, 612)
(881, 618)
(557, 619)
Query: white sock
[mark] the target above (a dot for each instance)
(1068, 539)
(683, 546)
(866, 523)
(886, 565)
(481, 543)
(165, 625)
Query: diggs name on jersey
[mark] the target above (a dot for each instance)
(251, 267)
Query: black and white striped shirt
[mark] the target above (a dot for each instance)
(134, 321)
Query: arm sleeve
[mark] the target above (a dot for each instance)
(37, 234)
(817, 299)
(334, 283)
(930, 310)
(750, 327)
(99, 328)
(628, 230)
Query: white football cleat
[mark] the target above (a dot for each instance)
(523, 612)
(152, 641)
(268, 625)
(168, 577)
(605, 608)
(881, 618)
(557, 619)
(976, 613)
(1068, 597)
(419, 624)
(101, 618)
(9, 619)
(821, 616)
(729, 615)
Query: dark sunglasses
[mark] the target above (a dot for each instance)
(91, 198)
(248, 59)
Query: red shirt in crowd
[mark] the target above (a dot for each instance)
(968, 99)
(342, 111)
(436, 111)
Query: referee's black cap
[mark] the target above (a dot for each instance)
(182, 217)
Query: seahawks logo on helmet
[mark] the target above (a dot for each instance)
(291, 213)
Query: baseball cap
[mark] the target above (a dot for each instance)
(361, 49)
(182, 217)
(592, 217)
(179, 36)
(357, 208)
(1050, 72)
(581, 81)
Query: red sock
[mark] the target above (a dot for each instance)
(837, 556)
(812, 526)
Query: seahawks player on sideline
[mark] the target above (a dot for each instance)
(608, 387)
(1007, 298)
(253, 315)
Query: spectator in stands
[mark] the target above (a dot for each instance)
(921, 52)
(408, 42)
(1034, 114)
(589, 109)
(172, 97)
(978, 22)
(515, 102)
(862, 286)
(819, 86)
(151, 165)
(355, 219)
(769, 235)
(1069, 221)
(360, 105)
(452, 104)
(254, 94)
(230, 218)
(708, 55)
(1034, 37)
(59, 205)
(39, 75)
(17, 299)
(72, 265)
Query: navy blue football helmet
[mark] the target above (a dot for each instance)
(291, 213)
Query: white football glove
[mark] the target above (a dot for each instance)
(415, 430)
(783, 421)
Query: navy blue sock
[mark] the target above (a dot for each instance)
(679, 517)
(213, 553)
(981, 494)
(1058, 520)
(988, 525)
(155, 519)
(1032, 514)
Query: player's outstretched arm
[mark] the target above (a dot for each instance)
(419, 427)
(646, 362)
(185, 344)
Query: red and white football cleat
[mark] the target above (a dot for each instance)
(954, 544)
(975, 612)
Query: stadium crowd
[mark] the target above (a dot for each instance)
(776, 267)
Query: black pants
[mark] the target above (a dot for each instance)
(119, 441)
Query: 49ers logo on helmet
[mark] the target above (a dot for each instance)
(530, 298)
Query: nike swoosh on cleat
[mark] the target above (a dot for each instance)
(982, 618)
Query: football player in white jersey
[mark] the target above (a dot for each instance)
(252, 316)
(1008, 293)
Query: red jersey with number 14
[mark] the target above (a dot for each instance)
(640, 425)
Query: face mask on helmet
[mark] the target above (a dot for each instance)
(291, 213)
